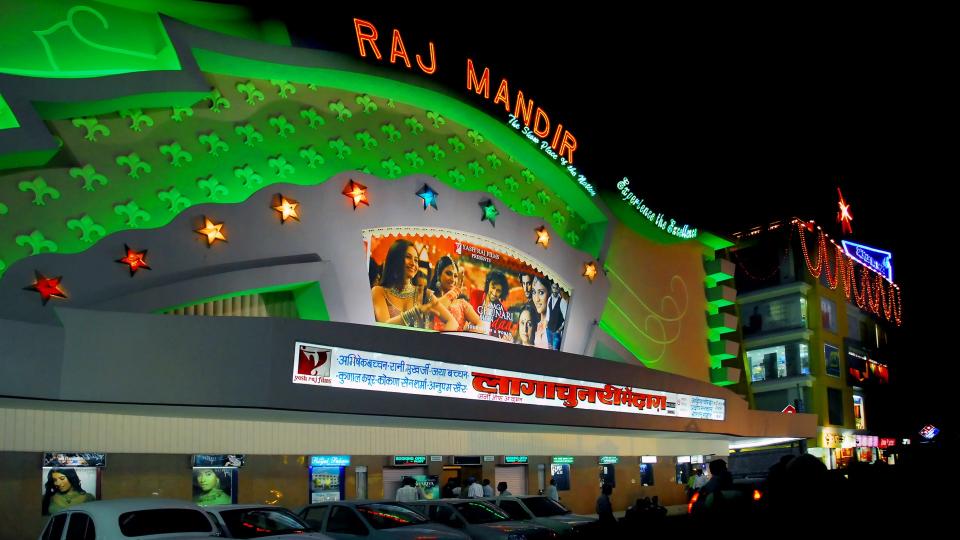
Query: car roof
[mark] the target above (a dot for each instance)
(119, 506)
(222, 507)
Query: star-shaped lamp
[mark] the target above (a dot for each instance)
(287, 208)
(47, 287)
(357, 193)
(590, 271)
(543, 237)
(429, 197)
(490, 212)
(134, 259)
(213, 231)
(844, 217)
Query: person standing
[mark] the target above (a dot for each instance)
(487, 488)
(409, 491)
(552, 491)
(605, 509)
(474, 490)
(502, 490)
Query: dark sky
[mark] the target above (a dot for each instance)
(725, 123)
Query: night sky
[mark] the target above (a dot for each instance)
(725, 125)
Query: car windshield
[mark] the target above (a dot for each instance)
(257, 522)
(163, 521)
(478, 512)
(545, 507)
(389, 516)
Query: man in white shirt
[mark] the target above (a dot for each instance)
(552, 490)
(409, 491)
(474, 490)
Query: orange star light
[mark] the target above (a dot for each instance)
(590, 271)
(212, 231)
(287, 209)
(134, 259)
(47, 287)
(844, 217)
(357, 193)
(543, 237)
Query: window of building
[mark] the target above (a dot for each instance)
(646, 474)
(828, 314)
(790, 360)
(853, 327)
(835, 406)
(804, 354)
(774, 315)
(859, 415)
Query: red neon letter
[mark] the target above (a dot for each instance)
(536, 122)
(398, 50)
(371, 37)
(569, 144)
(484, 83)
(503, 94)
(556, 136)
(433, 62)
(523, 112)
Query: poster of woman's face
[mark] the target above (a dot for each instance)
(63, 487)
(214, 485)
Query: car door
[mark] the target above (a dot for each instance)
(55, 527)
(80, 527)
(315, 515)
(344, 522)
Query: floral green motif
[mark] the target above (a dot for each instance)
(249, 134)
(90, 231)
(250, 90)
(215, 144)
(247, 176)
(218, 102)
(494, 161)
(436, 118)
(368, 105)
(93, 127)
(177, 154)
(475, 136)
(341, 148)
(528, 206)
(438, 153)
(414, 159)
(135, 215)
(558, 218)
(213, 187)
(367, 139)
(38, 243)
(391, 104)
(284, 88)
(282, 125)
(311, 156)
(456, 144)
(456, 176)
(393, 170)
(343, 113)
(90, 176)
(415, 126)
(174, 199)
(280, 166)
(572, 237)
(512, 184)
(136, 165)
(391, 132)
(495, 190)
(3, 209)
(137, 119)
(40, 190)
(528, 176)
(314, 120)
(543, 197)
(178, 113)
(475, 168)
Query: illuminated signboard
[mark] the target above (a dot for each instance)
(562, 460)
(867, 441)
(875, 259)
(329, 461)
(337, 367)
(218, 460)
(929, 431)
(409, 460)
(648, 459)
(74, 459)
(887, 442)
(659, 220)
(515, 460)
(609, 460)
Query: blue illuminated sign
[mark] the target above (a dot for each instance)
(875, 259)
(329, 461)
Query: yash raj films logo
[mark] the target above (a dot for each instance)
(312, 364)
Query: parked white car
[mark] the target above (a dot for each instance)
(126, 519)
(258, 520)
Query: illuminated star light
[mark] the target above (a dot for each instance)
(47, 287)
(429, 197)
(357, 193)
(212, 231)
(490, 212)
(287, 209)
(590, 271)
(844, 217)
(135, 260)
(543, 237)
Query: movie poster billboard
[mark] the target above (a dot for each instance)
(452, 281)
(63, 487)
(427, 485)
(214, 485)
(326, 484)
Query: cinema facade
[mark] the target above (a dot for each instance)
(333, 276)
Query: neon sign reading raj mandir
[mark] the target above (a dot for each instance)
(670, 226)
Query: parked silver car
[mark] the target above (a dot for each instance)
(374, 520)
(257, 520)
(480, 519)
(548, 513)
(125, 519)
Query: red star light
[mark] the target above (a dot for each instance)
(357, 193)
(47, 287)
(134, 259)
(844, 217)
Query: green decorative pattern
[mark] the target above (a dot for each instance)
(212, 152)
